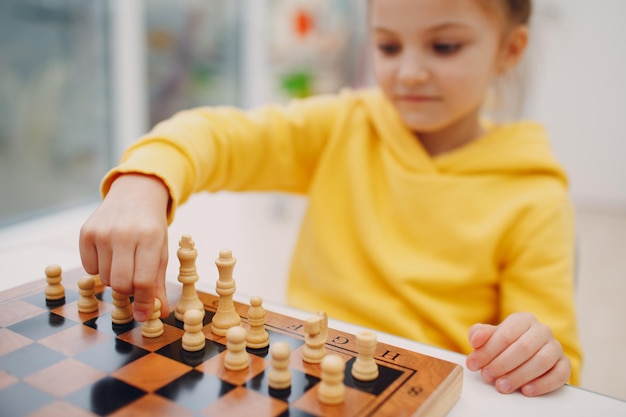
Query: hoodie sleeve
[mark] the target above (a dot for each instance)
(222, 148)
(538, 273)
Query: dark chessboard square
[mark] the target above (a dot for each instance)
(29, 359)
(105, 396)
(196, 390)
(386, 377)
(21, 399)
(295, 412)
(104, 324)
(172, 321)
(111, 354)
(175, 351)
(293, 342)
(300, 383)
(39, 299)
(42, 325)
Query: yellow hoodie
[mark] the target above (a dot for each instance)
(392, 239)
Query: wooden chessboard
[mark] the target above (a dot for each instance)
(56, 361)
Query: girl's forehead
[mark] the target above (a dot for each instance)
(427, 14)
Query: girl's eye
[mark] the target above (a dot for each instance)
(388, 48)
(444, 48)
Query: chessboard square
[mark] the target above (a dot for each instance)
(105, 396)
(153, 406)
(16, 311)
(64, 377)
(39, 300)
(175, 351)
(10, 341)
(104, 324)
(111, 355)
(59, 408)
(196, 390)
(29, 359)
(151, 372)
(386, 377)
(243, 402)
(354, 403)
(294, 343)
(21, 399)
(6, 379)
(134, 337)
(300, 383)
(74, 340)
(42, 325)
(70, 311)
(215, 366)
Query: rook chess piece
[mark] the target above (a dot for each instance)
(279, 377)
(188, 276)
(365, 367)
(225, 316)
(87, 303)
(54, 289)
(154, 326)
(123, 311)
(258, 338)
(331, 388)
(315, 335)
(236, 358)
(193, 339)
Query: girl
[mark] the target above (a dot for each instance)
(416, 206)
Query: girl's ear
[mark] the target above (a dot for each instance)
(513, 48)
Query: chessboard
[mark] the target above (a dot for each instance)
(55, 360)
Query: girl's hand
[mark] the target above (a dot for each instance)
(125, 241)
(519, 353)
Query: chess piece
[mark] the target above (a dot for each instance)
(364, 367)
(236, 358)
(258, 338)
(123, 311)
(279, 377)
(193, 339)
(54, 289)
(332, 389)
(225, 316)
(188, 276)
(98, 285)
(87, 302)
(154, 326)
(315, 335)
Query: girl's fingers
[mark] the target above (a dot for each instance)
(540, 363)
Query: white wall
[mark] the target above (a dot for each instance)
(578, 90)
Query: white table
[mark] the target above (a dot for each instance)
(480, 399)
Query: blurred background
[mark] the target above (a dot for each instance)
(81, 79)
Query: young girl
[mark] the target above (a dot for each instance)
(422, 219)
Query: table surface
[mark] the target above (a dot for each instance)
(481, 399)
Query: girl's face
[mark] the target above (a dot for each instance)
(435, 59)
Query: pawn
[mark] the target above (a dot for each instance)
(154, 326)
(332, 389)
(87, 303)
(279, 377)
(193, 340)
(54, 290)
(123, 311)
(365, 368)
(315, 339)
(99, 286)
(236, 358)
(257, 338)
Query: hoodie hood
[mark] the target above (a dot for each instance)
(520, 148)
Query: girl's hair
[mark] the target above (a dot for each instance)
(516, 12)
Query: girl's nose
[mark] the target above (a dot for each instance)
(412, 71)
